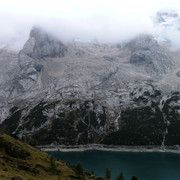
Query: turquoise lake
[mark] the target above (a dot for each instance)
(145, 166)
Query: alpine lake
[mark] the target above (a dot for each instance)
(143, 165)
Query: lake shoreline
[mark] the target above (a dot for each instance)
(113, 148)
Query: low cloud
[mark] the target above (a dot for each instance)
(104, 21)
(103, 29)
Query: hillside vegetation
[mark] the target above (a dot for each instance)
(20, 161)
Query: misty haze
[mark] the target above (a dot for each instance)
(100, 78)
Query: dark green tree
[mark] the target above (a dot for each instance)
(108, 173)
(120, 177)
(53, 166)
(134, 178)
(92, 172)
(79, 169)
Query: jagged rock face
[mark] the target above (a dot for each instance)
(41, 45)
(143, 42)
(93, 93)
(21, 74)
(145, 51)
(171, 109)
(8, 69)
(28, 77)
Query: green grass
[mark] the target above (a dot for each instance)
(18, 159)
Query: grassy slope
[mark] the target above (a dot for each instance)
(20, 159)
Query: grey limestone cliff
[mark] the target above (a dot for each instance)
(146, 51)
(41, 45)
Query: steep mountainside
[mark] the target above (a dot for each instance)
(20, 161)
(83, 93)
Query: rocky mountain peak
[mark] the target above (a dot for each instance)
(168, 23)
(146, 51)
(166, 16)
(143, 42)
(41, 44)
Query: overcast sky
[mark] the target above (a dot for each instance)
(103, 20)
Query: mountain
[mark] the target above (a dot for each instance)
(167, 26)
(87, 92)
(41, 45)
(167, 18)
(20, 161)
(146, 51)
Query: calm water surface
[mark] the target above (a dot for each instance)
(145, 166)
